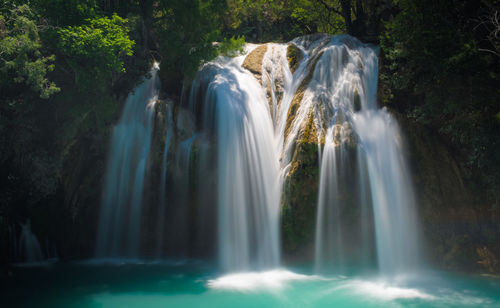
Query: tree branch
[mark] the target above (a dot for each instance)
(330, 8)
(490, 51)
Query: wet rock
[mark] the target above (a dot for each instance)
(273, 77)
(299, 95)
(294, 56)
(460, 234)
(299, 199)
(487, 259)
(357, 101)
(348, 135)
(253, 62)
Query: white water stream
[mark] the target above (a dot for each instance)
(121, 209)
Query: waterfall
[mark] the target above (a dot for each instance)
(121, 208)
(253, 115)
(163, 183)
(257, 115)
(391, 191)
(328, 238)
(343, 87)
(29, 247)
(236, 112)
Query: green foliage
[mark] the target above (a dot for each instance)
(21, 58)
(317, 18)
(283, 20)
(62, 13)
(47, 41)
(96, 49)
(419, 44)
(231, 47)
(259, 20)
(435, 72)
(294, 56)
(186, 31)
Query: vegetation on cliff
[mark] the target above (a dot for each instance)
(441, 68)
(63, 68)
(300, 192)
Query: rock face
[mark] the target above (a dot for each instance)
(189, 211)
(294, 56)
(459, 233)
(253, 62)
(82, 184)
(300, 195)
(299, 95)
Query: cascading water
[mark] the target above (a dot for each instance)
(236, 110)
(391, 191)
(120, 219)
(329, 245)
(163, 183)
(364, 187)
(29, 247)
(255, 117)
(342, 95)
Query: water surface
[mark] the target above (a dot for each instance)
(195, 284)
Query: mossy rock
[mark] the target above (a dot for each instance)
(299, 95)
(357, 101)
(253, 61)
(294, 56)
(488, 260)
(300, 192)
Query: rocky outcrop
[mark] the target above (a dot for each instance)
(459, 234)
(294, 56)
(299, 95)
(300, 194)
(253, 61)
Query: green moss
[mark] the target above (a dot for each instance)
(310, 134)
(300, 191)
(297, 99)
(294, 56)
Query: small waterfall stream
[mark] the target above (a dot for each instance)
(121, 209)
(391, 189)
(29, 247)
(163, 182)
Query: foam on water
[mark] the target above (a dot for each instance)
(258, 281)
(385, 291)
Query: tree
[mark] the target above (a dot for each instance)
(319, 16)
(186, 31)
(434, 71)
(489, 22)
(21, 58)
(62, 13)
(95, 51)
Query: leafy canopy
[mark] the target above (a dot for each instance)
(97, 48)
(21, 58)
(186, 31)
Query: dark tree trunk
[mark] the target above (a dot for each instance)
(346, 13)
